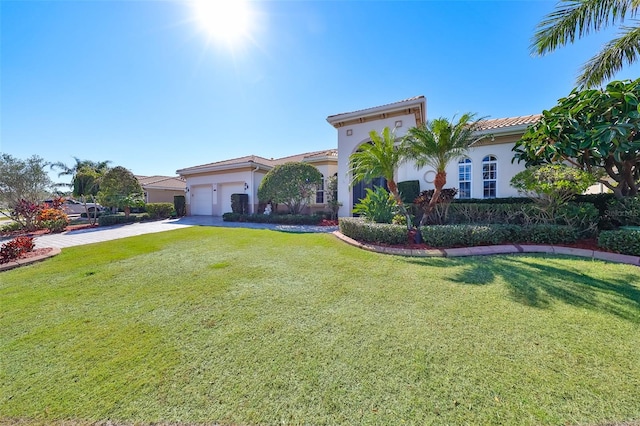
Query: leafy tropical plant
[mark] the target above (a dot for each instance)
(380, 157)
(552, 185)
(377, 206)
(574, 19)
(595, 130)
(438, 142)
(291, 184)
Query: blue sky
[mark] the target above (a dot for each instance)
(141, 84)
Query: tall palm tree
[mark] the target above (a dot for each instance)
(577, 18)
(381, 157)
(438, 142)
(85, 179)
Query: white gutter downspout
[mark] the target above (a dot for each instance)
(254, 194)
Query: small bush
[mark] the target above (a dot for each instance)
(116, 219)
(369, 232)
(11, 227)
(180, 205)
(240, 203)
(282, 219)
(624, 212)
(377, 206)
(503, 200)
(159, 210)
(583, 216)
(409, 190)
(55, 220)
(15, 248)
(624, 241)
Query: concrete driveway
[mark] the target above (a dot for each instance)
(96, 235)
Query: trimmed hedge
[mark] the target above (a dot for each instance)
(446, 236)
(159, 210)
(477, 235)
(282, 219)
(624, 241)
(504, 200)
(118, 219)
(366, 231)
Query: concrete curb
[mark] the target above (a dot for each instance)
(22, 262)
(493, 250)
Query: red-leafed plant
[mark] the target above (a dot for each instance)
(26, 213)
(16, 248)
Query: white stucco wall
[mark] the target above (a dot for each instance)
(506, 170)
(349, 144)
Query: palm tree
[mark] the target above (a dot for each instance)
(85, 181)
(381, 157)
(438, 142)
(577, 18)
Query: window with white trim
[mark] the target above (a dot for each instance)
(464, 178)
(320, 192)
(489, 176)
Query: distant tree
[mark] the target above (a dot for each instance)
(574, 19)
(595, 130)
(85, 180)
(23, 181)
(120, 188)
(291, 184)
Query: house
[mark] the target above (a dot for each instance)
(161, 189)
(209, 186)
(484, 173)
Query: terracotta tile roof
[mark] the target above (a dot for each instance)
(268, 162)
(164, 182)
(499, 123)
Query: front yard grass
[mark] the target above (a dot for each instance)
(238, 326)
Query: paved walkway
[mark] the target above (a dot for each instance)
(96, 235)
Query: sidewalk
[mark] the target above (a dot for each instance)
(97, 235)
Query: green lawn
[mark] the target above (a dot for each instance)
(240, 326)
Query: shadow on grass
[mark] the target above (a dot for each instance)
(539, 282)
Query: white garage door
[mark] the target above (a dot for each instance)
(225, 195)
(202, 200)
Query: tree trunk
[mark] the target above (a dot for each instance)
(127, 211)
(439, 182)
(393, 188)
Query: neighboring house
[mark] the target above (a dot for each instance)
(209, 186)
(161, 189)
(484, 173)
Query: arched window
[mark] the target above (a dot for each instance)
(320, 192)
(464, 178)
(489, 176)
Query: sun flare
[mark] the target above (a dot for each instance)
(227, 21)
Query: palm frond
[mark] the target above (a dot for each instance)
(577, 18)
(617, 52)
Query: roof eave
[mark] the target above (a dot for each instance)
(198, 170)
(334, 120)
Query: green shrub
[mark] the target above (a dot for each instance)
(240, 203)
(370, 232)
(377, 206)
(159, 210)
(11, 227)
(116, 219)
(504, 200)
(409, 190)
(180, 205)
(625, 241)
(475, 235)
(624, 212)
(486, 213)
(583, 216)
(282, 219)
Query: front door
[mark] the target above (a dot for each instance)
(359, 189)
